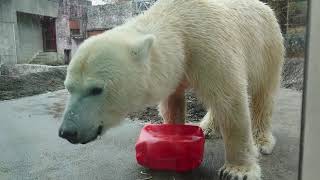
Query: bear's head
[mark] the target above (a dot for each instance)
(106, 79)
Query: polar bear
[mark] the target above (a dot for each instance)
(229, 51)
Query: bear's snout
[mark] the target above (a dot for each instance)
(70, 133)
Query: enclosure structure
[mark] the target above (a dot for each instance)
(50, 31)
(71, 27)
(113, 13)
(107, 16)
(26, 28)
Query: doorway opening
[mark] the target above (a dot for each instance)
(49, 34)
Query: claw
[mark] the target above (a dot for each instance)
(229, 177)
(225, 174)
(245, 177)
(229, 172)
(221, 173)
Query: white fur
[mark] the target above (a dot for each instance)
(230, 51)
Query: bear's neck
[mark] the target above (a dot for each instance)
(166, 68)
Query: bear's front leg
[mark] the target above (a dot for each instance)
(240, 152)
(172, 109)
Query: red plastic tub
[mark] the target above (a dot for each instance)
(170, 147)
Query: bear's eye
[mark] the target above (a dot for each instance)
(96, 91)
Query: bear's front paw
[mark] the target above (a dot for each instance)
(230, 172)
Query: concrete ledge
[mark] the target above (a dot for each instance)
(23, 69)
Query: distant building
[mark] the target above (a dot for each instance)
(113, 13)
(71, 26)
(107, 16)
(26, 28)
(39, 31)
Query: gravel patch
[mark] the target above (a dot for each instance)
(195, 111)
(12, 87)
(292, 74)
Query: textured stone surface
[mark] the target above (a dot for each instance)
(12, 87)
(292, 74)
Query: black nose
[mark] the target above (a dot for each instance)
(69, 134)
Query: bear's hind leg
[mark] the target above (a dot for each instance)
(262, 105)
(172, 109)
(210, 125)
(231, 109)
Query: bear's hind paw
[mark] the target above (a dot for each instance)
(229, 172)
(265, 143)
(210, 131)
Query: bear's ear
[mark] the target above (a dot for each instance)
(141, 47)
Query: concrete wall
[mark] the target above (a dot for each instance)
(39, 7)
(7, 45)
(75, 44)
(7, 10)
(7, 33)
(30, 34)
(63, 34)
(9, 30)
